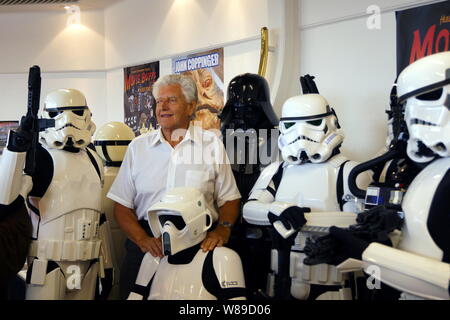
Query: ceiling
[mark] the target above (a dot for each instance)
(51, 5)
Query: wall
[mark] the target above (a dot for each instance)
(13, 92)
(141, 31)
(355, 67)
(71, 57)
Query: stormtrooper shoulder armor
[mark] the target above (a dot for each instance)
(227, 268)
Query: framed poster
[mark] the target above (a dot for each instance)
(422, 31)
(5, 126)
(139, 103)
(206, 68)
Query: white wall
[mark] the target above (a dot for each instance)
(69, 57)
(142, 31)
(43, 38)
(355, 67)
(13, 92)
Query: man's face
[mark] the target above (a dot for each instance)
(172, 110)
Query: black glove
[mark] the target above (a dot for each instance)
(334, 248)
(291, 218)
(376, 224)
(373, 225)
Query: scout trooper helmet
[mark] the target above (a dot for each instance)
(308, 130)
(424, 88)
(181, 217)
(73, 124)
(111, 142)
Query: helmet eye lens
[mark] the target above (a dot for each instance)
(315, 123)
(287, 125)
(176, 220)
(430, 96)
(78, 112)
(53, 114)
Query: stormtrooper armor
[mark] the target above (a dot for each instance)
(311, 182)
(420, 265)
(111, 142)
(67, 254)
(186, 272)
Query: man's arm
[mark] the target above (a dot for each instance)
(128, 222)
(228, 212)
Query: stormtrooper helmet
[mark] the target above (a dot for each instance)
(181, 217)
(308, 130)
(73, 124)
(111, 142)
(424, 89)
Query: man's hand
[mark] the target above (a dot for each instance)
(216, 238)
(152, 245)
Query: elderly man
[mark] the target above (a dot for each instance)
(177, 154)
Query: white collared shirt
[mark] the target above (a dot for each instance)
(151, 166)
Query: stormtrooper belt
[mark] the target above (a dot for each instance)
(60, 250)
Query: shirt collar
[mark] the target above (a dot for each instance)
(193, 133)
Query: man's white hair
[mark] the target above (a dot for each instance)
(187, 84)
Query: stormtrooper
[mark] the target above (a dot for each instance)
(420, 264)
(181, 219)
(67, 254)
(306, 192)
(248, 124)
(111, 142)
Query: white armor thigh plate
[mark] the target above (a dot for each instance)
(310, 185)
(418, 200)
(70, 210)
(180, 282)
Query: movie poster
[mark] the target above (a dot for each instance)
(5, 126)
(139, 102)
(206, 68)
(422, 31)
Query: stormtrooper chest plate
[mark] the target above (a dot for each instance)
(310, 185)
(417, 202)
(180, 282)
(75, 185)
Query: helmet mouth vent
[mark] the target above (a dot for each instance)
(68, 125)
(303, 138)
(422, 122)
(423, 150)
